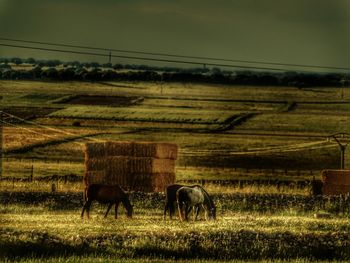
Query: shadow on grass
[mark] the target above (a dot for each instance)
(223, 245)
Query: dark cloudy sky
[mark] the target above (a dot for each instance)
(315, 32)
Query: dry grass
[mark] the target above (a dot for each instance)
(23, 168)
(26, 135)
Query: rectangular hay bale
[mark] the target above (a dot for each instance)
(95, 164)
(337, 177)
(118, 165)
(336, 182)
(155, 182)
(160, 181)
(148, 165)
(155, 150)
(138, 166)
(94, 150)
(95, 177)
(138, 149)
(335, 189)
(119, 148)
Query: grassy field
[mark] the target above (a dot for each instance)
(261, 128)
(247, 134)
(53, 229)
(177, 115)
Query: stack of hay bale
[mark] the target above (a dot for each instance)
(137, 166)
(336, 182)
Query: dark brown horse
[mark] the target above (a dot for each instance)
(106, 194)
(170, 199)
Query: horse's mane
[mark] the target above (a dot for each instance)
(206, 194)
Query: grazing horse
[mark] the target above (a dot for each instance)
(195, 196)
(106, 194)
(170, 199)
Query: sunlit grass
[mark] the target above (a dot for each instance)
(147, 232)
(26, 168)
(97, 258)
(77, 187)
(68, 223)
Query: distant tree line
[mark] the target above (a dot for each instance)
(93, 71)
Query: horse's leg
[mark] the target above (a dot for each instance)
(166, 207)
(116, 209)
(86, 208)
(188, 209)
(109, 208)
(171, 210)
(82, 212)
(185, 208)
(198, 208)
(179, 206)
(205, 212)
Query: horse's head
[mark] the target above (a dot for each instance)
(129, 206)
(129, 211)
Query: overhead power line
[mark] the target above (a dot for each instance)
(143, 58)
(177, 56)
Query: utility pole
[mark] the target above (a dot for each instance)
(343, 142)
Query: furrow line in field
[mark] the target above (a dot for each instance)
(291, 148)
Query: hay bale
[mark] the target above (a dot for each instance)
(119, 148)
(161, 180)
(149, 165)
(95, 164)
(138, 149)
(155, 150)
(95, 177)
(337, 177)
(94, 150)
(336, 182)
(139, 166)
(141, 182)
(118, 165)
(152, 182)
(335, 189)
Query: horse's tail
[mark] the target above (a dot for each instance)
(85, 193)
(178, 204)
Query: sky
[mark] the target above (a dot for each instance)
(313, 32)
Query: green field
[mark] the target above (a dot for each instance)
(48, 227)
(215, 126)
(229, 132)
(267, 142)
